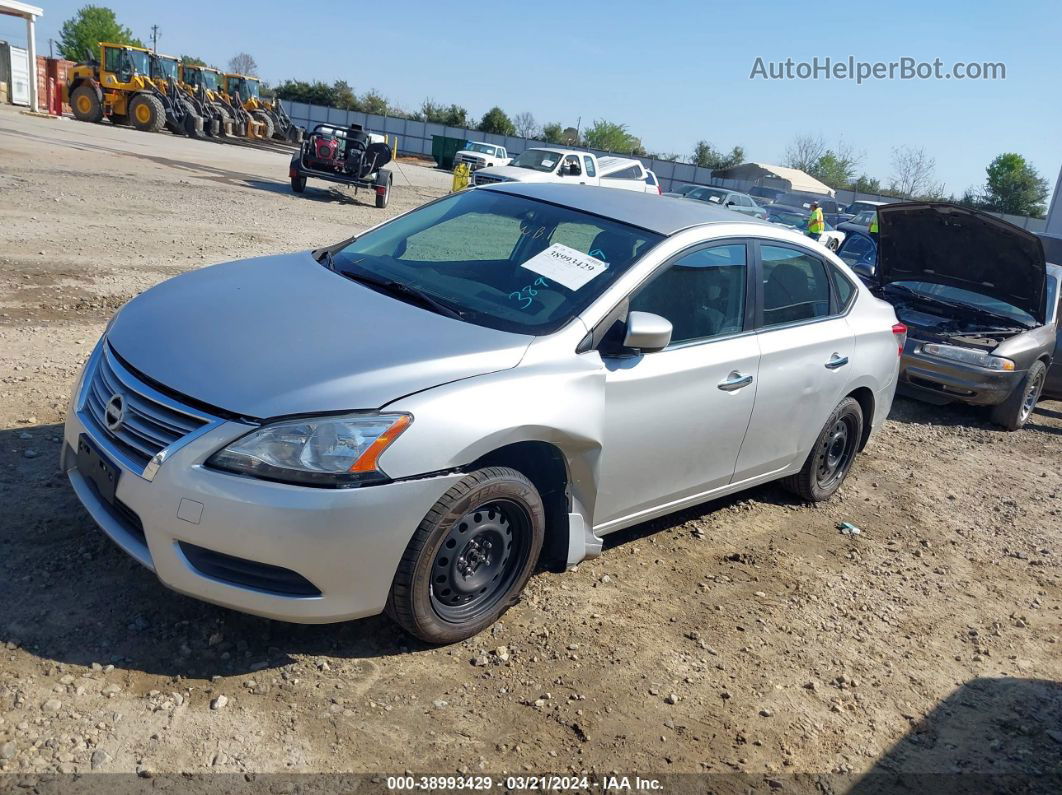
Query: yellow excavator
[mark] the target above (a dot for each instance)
(118, 85)
(246, 91)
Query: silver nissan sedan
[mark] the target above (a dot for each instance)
(413, 420)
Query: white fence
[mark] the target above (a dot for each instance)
(415, 138)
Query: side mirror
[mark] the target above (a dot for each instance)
(865, 268)
(647, 332)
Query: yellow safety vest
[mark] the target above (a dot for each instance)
(873, 229)
(816, 224)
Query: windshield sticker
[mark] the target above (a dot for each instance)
(565, 265)
(548, 163)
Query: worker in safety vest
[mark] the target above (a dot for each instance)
(816, 223)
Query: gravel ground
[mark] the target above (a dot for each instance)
(746, 635)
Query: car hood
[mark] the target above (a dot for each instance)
(282, 335)
(518, 174)
(947, 244)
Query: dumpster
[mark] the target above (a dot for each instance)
(443, 150)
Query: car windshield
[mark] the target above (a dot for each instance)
(496, 260)
(864, 217)
(858, 248)
(957, 295)
(141, 62)
(787, 219)
(538, 160)
(483, 149)
(713, 195)
(685, 189)
(795, 200)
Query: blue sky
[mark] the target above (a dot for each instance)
(673, 71)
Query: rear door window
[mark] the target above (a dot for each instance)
(795, 285)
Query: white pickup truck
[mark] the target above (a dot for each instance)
(479, 155)
(573, 167)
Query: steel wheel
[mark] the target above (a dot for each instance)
(836, 452)
(479, 560)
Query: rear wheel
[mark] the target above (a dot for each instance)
(298, 183)
(147, 113)
(470, 557)
(86, 104)
(830, 459)
(383, 198)
(1015, 411)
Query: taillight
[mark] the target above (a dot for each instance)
(900, 331)
(659, 190)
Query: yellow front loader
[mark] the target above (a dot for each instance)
(247, 91)
(118, 86)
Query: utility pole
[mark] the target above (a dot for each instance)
(155, 38)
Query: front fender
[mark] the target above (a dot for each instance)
(458, 423)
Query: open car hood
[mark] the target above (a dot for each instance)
(947, 244)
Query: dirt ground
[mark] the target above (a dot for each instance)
(747, 635)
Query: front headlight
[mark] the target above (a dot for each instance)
(968, 356)
(320, 451)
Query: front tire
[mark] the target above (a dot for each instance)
(298, 184)
(86, 104)
(470, 557)
(146, 113)
(1015, 411)
(832, 455)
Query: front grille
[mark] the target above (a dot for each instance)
(151, 421)
(484, 179)
(247, 573)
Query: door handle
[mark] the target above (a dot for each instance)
(735, 381)
(836, 361)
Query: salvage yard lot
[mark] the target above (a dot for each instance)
(745, 635)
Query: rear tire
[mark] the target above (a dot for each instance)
(146, 113)
(298, 184)
(1015, 411)
(382, 201)
(86, 104)
(832, 455)
(470, 557)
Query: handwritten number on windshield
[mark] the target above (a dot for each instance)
(526, 295)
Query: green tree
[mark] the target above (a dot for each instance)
(866, 184)
(707, 156)
(495, 121)
(611, 137)
(1015, 187)
(836, 170)
(343, 96)
(191, 60)
(81, 34)
(553, 133)
(452, 116)
(372, 101)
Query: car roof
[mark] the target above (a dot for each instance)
(664, 215)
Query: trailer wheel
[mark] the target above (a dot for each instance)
(86, 104)
(298, 184)
(147, 113)
(267, 122)
(383, 198)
